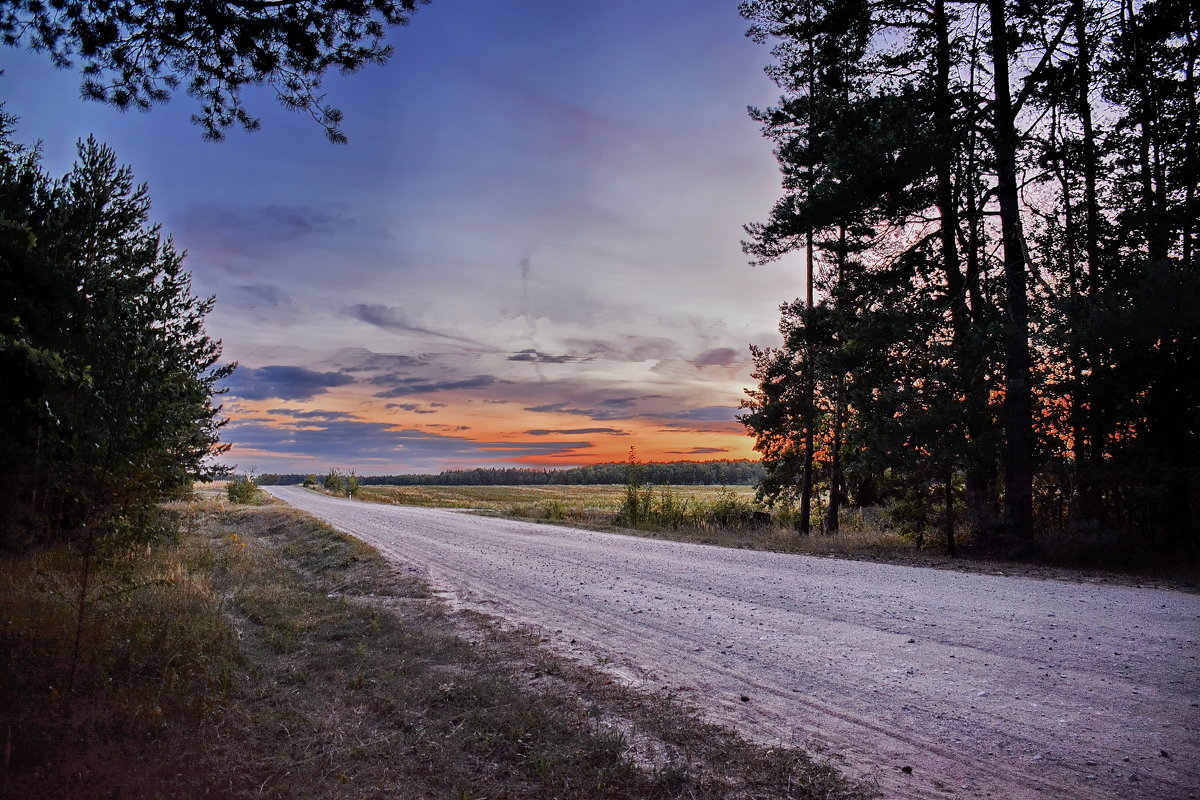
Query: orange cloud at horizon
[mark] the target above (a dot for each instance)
(490, 433)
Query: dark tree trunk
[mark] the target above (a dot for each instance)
(804, 524)
(1018, 398)
(967, 356)
(836, 483)
(1087, 448)
(951, 546)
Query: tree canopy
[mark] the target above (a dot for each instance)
(998, 201)
(106, 373)
(135, 54)
(677, 473)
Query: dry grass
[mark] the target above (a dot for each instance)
(271, 656)
(862, 534)
(527, 500)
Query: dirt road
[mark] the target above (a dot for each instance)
(985, 686)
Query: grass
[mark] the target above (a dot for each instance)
(724, 517)
(702, 514)
(527, 500)
(267, 655)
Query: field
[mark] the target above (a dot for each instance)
(593, 503)
(717, 515)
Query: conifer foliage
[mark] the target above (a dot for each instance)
(106, 373)
(136, 53)
(1001, 203)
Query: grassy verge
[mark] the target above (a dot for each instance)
(702, 514)
(724, 517)
(266, 655)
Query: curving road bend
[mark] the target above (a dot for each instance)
(986, 686)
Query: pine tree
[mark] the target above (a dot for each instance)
(108, 373)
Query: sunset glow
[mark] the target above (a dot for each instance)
(527, 255)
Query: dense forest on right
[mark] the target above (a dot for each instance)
(999, 335)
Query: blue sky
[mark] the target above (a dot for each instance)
(528, 253)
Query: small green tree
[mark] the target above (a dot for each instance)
(335, 482)
(636, 505)
(242, 490)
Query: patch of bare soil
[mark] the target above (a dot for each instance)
(936, 683)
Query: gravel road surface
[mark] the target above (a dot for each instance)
(983, 685)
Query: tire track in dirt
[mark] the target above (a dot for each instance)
(987, 686)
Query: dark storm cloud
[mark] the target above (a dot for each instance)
(717, 357)
(409, 386)
(353, 442)
(282, 382)
(538, 357)
(575, 432)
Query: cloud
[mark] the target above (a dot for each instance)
(283, 382)
(717, 357)
(626, 348)
(409, 386)
(359, 359)
(624, 402)
(576, 432)
(705, 414)
(602, 414)
(256, 295)
(704, 427)
(699, 451)
(322, 416)
(269, 222)
(542, 358)
(379, 446)
(394, 319)
(415, 408)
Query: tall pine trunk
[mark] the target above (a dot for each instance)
(1018, 396)
(804, 524)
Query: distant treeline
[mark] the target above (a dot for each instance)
(674, 473)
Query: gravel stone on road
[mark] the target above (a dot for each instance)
(935, 683)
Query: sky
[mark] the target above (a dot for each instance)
(527, 255)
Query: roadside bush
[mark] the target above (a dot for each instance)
(727, 511)
(554, 510)
(243, 491)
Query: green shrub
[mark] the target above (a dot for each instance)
(243, 491)
(554, 510)
(727, 511)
